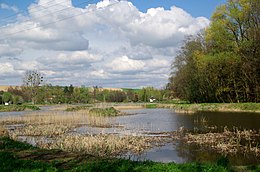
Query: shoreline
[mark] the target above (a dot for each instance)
(19, 156)
(184, 108)
(213, 107)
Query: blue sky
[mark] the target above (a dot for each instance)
(109, 43)
(194, 7)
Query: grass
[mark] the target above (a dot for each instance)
(152, 105)
(10, 108)
(19, 156)
(222, 107)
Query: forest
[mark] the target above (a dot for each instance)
(221, 63)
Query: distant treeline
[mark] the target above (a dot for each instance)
(70, 94)
(222, 64)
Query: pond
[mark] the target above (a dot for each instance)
(150, 121)
(161, 122)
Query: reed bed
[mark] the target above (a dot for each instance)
(103, 145)
(228, 142)
(46, 118)
(56, 129)
(73, 118)
(48, 130)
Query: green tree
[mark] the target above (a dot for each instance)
(222, 65)
(235, 27)
(7, 97)
(18, 100)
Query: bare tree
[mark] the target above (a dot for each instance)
(32, 81)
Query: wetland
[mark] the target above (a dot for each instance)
(155, 134)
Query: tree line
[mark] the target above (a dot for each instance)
(222, 63)
(48, 94)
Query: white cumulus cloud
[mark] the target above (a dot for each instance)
(111, 42)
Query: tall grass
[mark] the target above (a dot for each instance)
(56, 118)
(52, 123)
(58, 127)
(103, 145)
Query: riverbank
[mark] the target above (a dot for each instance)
(180, 107)
(213, 107)
(18, 156)
(11, 108)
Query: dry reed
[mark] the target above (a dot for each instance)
(73, 118)
(48, 130)
(100, 145)
(228, 142)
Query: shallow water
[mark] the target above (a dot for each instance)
(150, 122)
(145, 121)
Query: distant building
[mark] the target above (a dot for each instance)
(152, 99)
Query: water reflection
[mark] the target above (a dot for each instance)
(166, 120)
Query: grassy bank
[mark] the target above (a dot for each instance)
(221, 107)
(17, 156)
(17, 108)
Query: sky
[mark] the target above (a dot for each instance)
(109, 43)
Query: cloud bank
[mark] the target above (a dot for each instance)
(110, 44)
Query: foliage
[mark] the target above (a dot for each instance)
(222, 64)
(7, 97)
(48, 94)
(17, 100)
(149, 92)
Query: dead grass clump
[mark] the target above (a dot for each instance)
(99, 121)
(228, 142)
(48, 130)
(101, 145)
(3, 131)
